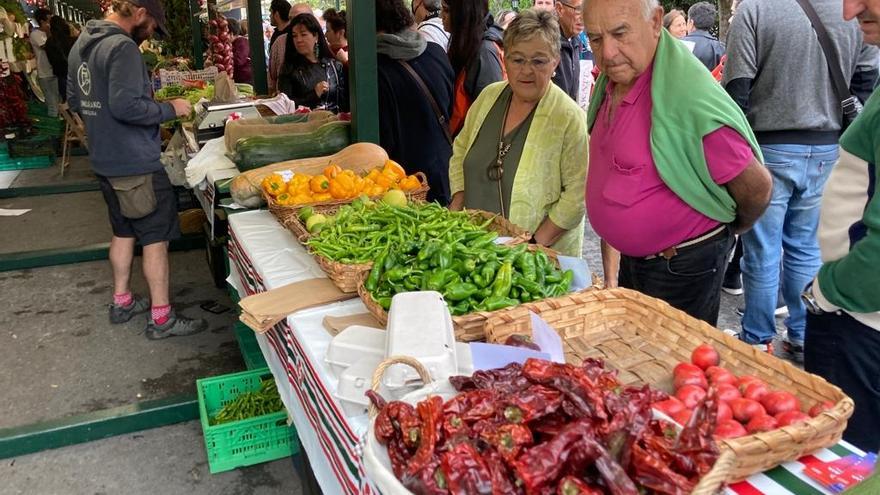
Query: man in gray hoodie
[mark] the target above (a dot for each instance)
(109, 86)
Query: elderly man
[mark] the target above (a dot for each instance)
(843, 327)
(567, 75)
(707, 48)
(675, 170)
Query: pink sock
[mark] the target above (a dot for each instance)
(160, 314)
(123, 299)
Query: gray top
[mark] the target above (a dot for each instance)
(774, 43)
(480, 192)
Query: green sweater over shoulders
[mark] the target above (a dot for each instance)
(687, 105)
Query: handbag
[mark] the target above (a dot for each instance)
(441, 119)
(136, 195)
(850, 105)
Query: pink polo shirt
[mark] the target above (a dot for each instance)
(628, 204)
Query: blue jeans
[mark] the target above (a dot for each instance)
(787, 230)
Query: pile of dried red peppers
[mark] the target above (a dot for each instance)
(545, 428)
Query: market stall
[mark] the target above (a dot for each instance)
(264, 256)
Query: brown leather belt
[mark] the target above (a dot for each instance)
(671, 252)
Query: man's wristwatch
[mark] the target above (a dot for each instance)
(810, 300)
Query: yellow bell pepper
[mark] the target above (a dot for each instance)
(322, 197)
(274, 185)
(332, 171)
(410, 183)
(385, 181)
(342, 187)
(394, 168)
(301, 199)
(319, 184)
(283, 199)
(373, 174)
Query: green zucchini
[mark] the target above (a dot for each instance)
(257, 151)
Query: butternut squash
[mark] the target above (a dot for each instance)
(360, 157)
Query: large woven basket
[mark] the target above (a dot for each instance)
(469, 327)
(288, 215)
(644, 338)
(348, 276)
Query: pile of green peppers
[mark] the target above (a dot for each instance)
(473, 273)
(251, 404)
(361, 231)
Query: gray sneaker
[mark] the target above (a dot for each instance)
(176, 326)
(121, 314)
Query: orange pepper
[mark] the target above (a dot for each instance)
(384, 180)
(319, 184)
(395, 168)
(342, 187)
(322, 197)
(376, 190)
(373, 174)
(332, 171)
(410, 183)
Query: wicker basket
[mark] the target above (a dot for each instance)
(288, 214)
(349, 276)
(644, 338)
(470, 327)
(710, 484)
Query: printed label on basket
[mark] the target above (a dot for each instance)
(839, 475)
(545, 337)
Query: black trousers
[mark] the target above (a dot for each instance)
(689, 281)
(845, 352)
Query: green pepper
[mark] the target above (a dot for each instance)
(488, 271)
(484, 240)
(373, 279)
(514, 253)
(514, 293)
(478, 280)
(461, 308)
(439, 279)
(398, 273)
(385, 302)
(469, 265)
(542, 262)
(444, 257)
(428, 251)
(565, 284)
(459, 291)
(496, 303)
(413, 283)
(484, 293)
(390, 260)
(527, 285)
(458, 267)
(526, 264)
(503, 280)
(553, 277)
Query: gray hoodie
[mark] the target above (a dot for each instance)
(108, 84)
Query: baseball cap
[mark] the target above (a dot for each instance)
(155, 9)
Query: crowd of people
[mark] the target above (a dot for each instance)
(692, 152)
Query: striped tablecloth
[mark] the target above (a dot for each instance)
(263, 255)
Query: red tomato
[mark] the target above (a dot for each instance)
(745, 380)
(730, 429)
(726, 392)
(704, 356)
(724, 411)
(745, 409)
(683, 417)
(790, 417)
(755, 391)
(690, 378)
(720, 376)
(764, 422)
(669, 407)
(779, 402)
(690, 395)
(685, 368)
(821, 407)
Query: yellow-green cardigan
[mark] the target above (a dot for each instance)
(551, 174)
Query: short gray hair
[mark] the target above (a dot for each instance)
(432, 5)
(648, 7)
(533, 24)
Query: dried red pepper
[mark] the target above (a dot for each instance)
(508, 439)
(473, 405)
(543, 463)
(430, 413)
(535, 402)
(570, 485)
(466, 472)
(502, 479)
(572, 382)
(649, 471)
(429, 481)
(398, 419)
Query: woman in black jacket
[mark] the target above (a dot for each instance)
(311, 76)
(57, 48)
(410, 127)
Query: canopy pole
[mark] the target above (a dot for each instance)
(362, 71)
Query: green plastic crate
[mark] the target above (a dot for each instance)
(9, 163)
(250, 349)
(246, 442)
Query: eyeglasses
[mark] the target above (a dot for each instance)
(577, 10)
(538, 63)
(415, 6)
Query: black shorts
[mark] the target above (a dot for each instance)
(160, 226)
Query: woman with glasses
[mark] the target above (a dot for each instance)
(523, 150)
(475, 51)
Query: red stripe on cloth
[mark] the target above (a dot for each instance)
(744, 488)
(325, 443)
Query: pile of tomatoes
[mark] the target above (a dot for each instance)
(746, 404)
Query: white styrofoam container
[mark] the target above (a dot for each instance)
(352, 344)
(354, 382)
(420, 326)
